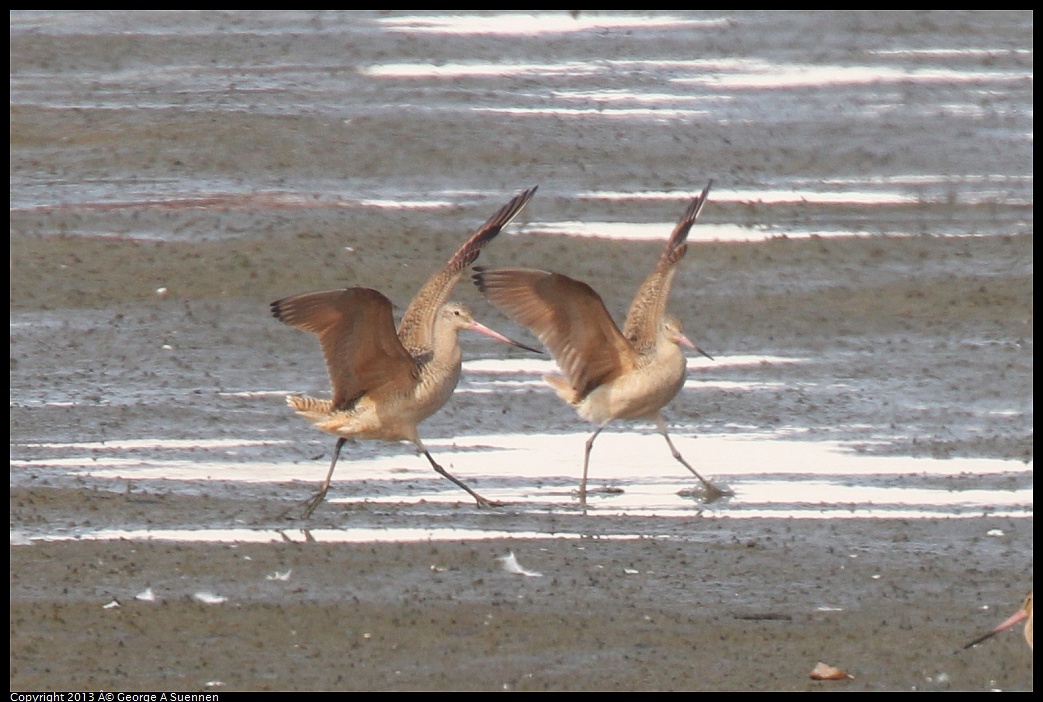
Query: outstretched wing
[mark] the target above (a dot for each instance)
(357, 333)
(416, 330)
(649, 305)
(568, 317)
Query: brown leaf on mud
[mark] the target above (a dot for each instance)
(828, 672)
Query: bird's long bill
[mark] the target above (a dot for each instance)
(482, 329)
(685, 341)
(1018, 616)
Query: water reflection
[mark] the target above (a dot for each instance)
(729, 74)
(826, 132)
(632, 474)
(336, 536)
(864, 195)
(557, 22)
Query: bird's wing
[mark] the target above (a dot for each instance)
(568, 317)
(357, 333)
(649, 305)
(416, 330)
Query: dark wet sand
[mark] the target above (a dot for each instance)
(723, 604)
(728, 607)
(710, 604)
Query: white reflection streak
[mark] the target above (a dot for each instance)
(626, 453)
(769, 197)
(657, 112)
(132, 444)
(476, 70)
(728, 74)
(383, 536)
(355, 535)
(534, 24)
(761, 74)
(953, 53)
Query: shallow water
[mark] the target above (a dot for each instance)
(774, 473)
(862, 275)
(852, 116)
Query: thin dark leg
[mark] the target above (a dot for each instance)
(712, 491)
(318, 497)
(586, 463)
(482, 502)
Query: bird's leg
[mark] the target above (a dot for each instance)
(712, 491)
(482, 502)
(318, 497)
(586, 463)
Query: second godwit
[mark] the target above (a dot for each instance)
(1024, 614)
(608, 374)
(386, 382)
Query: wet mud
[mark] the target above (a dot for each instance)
(120, 336)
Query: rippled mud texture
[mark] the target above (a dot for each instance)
(701, 604)
(713, 605)
(722, 606)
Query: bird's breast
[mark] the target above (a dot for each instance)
(637, 394)
(434, 387)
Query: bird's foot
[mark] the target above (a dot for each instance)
(714, 493)
(311, 503)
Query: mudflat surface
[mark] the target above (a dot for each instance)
(928, 338)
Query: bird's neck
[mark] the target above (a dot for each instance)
(668, 351)
(445, 346)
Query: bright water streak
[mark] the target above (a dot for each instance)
(631, 474)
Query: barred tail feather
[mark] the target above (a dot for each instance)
(310, 407)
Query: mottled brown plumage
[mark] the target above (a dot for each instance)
(385, 382)
(606, 373)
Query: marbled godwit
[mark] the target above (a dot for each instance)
(1023, 614)
(386, 382)
(608, 374)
